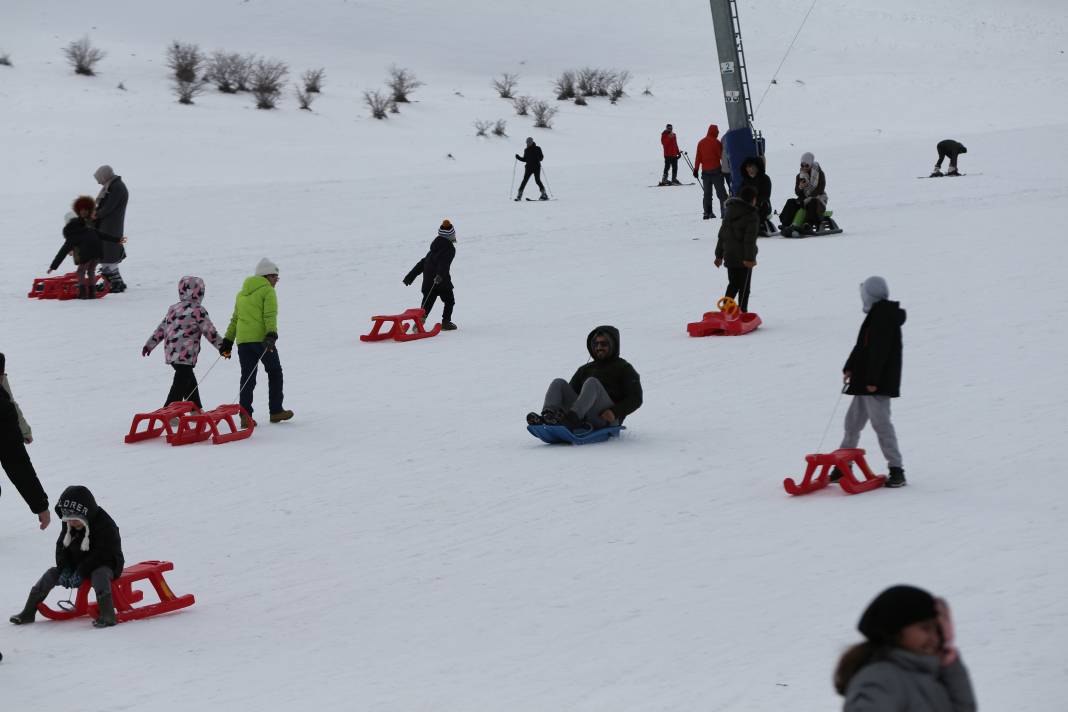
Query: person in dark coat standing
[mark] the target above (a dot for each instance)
(602, 392)
(952, 149)
(908, 660)
(737, 244)
(15, 435)
(873, 375)
(89, 548)
(531, 158)
(83, 240)
(437, 281)
(670, 143)
(110, 218)
(754, 174)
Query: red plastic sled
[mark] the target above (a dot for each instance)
(728, 321)
(64, 287)
(197, 427)
(123, 595)
(842, 459)
(398, 327)
(159, 421)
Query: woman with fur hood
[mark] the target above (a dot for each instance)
(84, 241)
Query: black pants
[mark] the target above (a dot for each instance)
(739, 280)
(16, 461)
(947, 149)
(528, 171)
(812, 209)
(713, 180)
(184, 385)
(250, 355)
(447, 298)
(671, 163)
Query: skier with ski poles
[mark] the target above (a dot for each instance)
(531, 158)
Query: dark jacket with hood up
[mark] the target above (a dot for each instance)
(105, 546)
(532, 156)
(84, 240)
(876, 357)
(111, 218)
(761, 183)
(437, 262)
(737, 241)
(620, 380)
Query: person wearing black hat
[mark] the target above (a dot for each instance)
(437, 280)
(89, 548)
(952, 149)
(908, 660)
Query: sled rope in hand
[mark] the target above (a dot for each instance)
(251, 373)
(202, 379)
(776, 74)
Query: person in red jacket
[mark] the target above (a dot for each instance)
(671, 156)
(709, 161)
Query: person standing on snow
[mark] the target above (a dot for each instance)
(737, 245)
(753, 174)
(437, 280)
(532, 158)
(110, 218)
(84, 241)
(15, 435)
(254, 327)
(951, 148)
(669, 141)
(872, 374)
(709, 162)
(810, 190)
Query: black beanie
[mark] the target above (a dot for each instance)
(894, 609)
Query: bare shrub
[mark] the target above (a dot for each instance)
(377, 102)
(121, 87)
(83, 56)
(184, 91)
(648, 90)
(313, 80)
(543, 114)
(185, 60)
(304, 97)
(266, 82)
(5, 59)
(481, 127)
(617, 87)
(499, 128)
(243, 68)
(565, 86)
(522, 105)
(505, 85)
(586, 81)
(580, 100)
(394, 107)
(229, 71)
(402, 83)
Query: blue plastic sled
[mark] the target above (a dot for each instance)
(553, 434)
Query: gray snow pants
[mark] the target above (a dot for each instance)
(100, 578)
(588, 403)
(714, 181)
(877, 410)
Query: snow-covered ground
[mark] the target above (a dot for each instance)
(403, 544)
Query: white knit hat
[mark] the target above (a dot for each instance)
(266, 267)
(67, 534)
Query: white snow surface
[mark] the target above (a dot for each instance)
(403, 543)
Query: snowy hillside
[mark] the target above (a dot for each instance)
(403, 544)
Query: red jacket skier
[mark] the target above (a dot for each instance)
(671, 156)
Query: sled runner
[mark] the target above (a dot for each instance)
(728, 321)
(158, 421)
(124, 595)
(826, 226)
(64, 287)
(842, 459)
(398, 327)
(197, 427)
(554, 434)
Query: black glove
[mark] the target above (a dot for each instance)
(408, 281)
(518, 157)
(269, 339)
(227, 348)
(145, 351)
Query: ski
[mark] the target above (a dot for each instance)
(671, 185)
(947, 175)
(538, 200)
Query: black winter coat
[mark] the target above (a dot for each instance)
(620, 380)
(13, 448)
(436, 264)
(737, 241)
(532, 156)
(951, 148)
(876, 358)
(111, 219)
(84, 240)
(105, 546)
(761, 183)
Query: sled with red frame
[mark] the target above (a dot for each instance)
(199, 426)
(124, 596)
(728, 321)
(843, 459)
(64, 287)
(398, 328)
(158, 421)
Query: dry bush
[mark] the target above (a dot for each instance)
(266, 82)
(230, 71)
(522, 105)
(185, 91)
(5, 59)
(565, 86)
(402, 83)
(377, 102)
(481, 127)
(543, 114)
(185, 60)
(648, 90)
(313, 80)
(580, 100)
(505, 85)
(618, 85)
(304, 97)
(83, 57)
(500, 128)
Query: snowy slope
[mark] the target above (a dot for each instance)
(403, 544)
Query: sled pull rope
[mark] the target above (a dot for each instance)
(831, 419)
(776, 74)
(202, 379)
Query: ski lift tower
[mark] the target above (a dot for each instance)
(742, 140)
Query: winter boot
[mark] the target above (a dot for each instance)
(534, 418)
(952, 171)
(448, 326)
(544, 196)
(675, 181)
(519, 196)
(116, 286)
(552, 416)
(29, 613)
(572, 421)
(81, 292)
(107, 612)
(247, 422)
(937, 173)
(836, 474)
(281, 416)
(896, 478)
(663, 182)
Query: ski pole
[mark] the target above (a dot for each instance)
(838, 402)
(515, 165)
(545, 180)
(203, 378)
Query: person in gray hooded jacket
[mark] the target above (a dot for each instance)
(908, 661)
(110, 218)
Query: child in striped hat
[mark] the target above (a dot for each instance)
(437, 282)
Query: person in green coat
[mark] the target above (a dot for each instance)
(254, 328)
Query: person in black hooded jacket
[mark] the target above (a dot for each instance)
(602, 392)
(437, 281)
(532, 158)
(753, 174)
(15, 435)
(84, 240)
(89, 548)
(737, 244)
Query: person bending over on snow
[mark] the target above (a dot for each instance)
(186, 321)
(601, 393)
(435, 270)
(951, 148)
(254, 328)
(810, 189)
(737, 244)
(753, 174)
(907, 661)
(110, 217)
(532, 157)
(81, 238)
(15, 435)
(873, 376)
(670, 143)
(89, 548)
(708, 160)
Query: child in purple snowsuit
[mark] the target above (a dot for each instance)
(181, 330)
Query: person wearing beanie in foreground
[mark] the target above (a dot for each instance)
(737, 244)
(872, 374)
(437, 281)
(601, 393)
(84, 240)
(254, 328)
(15, 435)
(952, 149)
(907, 662)
(110, 217)
(89, 548)
(531, 158)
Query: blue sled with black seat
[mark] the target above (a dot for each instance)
(554, 434)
